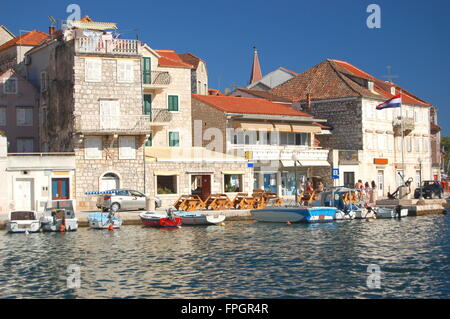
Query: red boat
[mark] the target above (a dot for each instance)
(152, 219)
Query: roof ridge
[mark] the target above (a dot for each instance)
(331, 62)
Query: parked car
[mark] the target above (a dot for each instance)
(124, 200)
(429, 189)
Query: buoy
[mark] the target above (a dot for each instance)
(289, 223)
(110, 227)
(222, 224)
(62, 228)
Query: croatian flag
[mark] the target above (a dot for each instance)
(396, 101)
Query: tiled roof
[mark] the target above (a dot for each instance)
(32, 38)
(333, 79)
(265, 95)
(170, 58)
(189, 58)
(244, 105)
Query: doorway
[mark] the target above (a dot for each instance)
(270, 182)
(201, 186)
(23, 194)
(109, 182)
(380, 184)
(60, 188)
(349, 179)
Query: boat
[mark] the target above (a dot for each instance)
(344, 215)
(191, 218)
(59, 216)
(385, 212)
(23, 222)
(104, 221)
(153, 219)
(291, 212)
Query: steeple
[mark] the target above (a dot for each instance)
(255, 75)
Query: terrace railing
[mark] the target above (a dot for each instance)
(96, 45)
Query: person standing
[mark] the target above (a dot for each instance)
(373, 195)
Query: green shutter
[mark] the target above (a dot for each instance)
(173, 103)
(149, 141)
(146, 70)
(147, 104)
(174, 139)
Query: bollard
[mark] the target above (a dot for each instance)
(150, 203)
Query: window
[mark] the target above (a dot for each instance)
(146, 70)
(369, 111)
(425, 145)
(10, 86)
(390, 142)
(109, 114)
(125, 71)
(147, 104)
(174, 139)
(25, 145)
(233, 183)
(173, 103)
(166, 185)
(93, 147)
(127, 147)
(2, 116)
(299, 139)
(417, 144)
(380, 142)
(93, 70)
(44, 81)
(409, 144)
(206, 89)
(24, 116)
(148, 142)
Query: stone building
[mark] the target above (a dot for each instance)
(278, 142)
(199, 73)
(19, 115)
(367, 143)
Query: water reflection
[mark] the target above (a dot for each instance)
(242, 259)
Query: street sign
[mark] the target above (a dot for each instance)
(250, 165)
(335, 173)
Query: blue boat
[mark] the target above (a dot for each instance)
(295, 214)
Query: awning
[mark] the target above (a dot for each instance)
(288, 163)
(253, 126)
(283, 127)
(315, 163)
(306, 129)
(165, 173)
(233, 172)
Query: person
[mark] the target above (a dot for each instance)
(367, 189)
(359, 184)
(373, 193)
(309, 186)
(320, 187)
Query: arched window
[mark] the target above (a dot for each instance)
(109, 181)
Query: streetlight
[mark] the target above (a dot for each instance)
(420, 176)
(295, 158)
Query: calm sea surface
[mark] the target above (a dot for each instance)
(239, 260)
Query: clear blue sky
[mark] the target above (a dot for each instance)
(414, 37)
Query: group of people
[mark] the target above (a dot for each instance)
(369, 189)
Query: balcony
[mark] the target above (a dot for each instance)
(156, 80)
(160, 117)
(99, 46)
(120, 124)
(408, 125)
(307, 156)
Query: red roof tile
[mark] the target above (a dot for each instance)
(265, 95)
(170, 58)
(32, 38)
(244, 105)
(338, 79)
(189, 58)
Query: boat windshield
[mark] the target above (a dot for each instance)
(287, 203)
(59, 205)
(23, 215)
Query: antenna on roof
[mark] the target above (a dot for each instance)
(390, 76)
(52, 20)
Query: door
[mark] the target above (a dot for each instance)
(23, 194)
(206, 186)
(60, 188)
(109, 182)
(380, 184)
(270, 182)
(349, 179)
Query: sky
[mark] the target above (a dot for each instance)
(414, 37)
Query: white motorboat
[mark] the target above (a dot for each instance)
(341, 215)
(364, 213)
(23, 222)
(190, 218)
(385, 212)
(59, 216)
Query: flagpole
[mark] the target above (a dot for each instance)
(403, 139)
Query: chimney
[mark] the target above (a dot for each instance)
(308, 103)
(51, 30)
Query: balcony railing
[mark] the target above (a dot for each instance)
(100, 46)
(123, 124)
(282, 152)
(160, 116)
(408, 125)
(157, 79)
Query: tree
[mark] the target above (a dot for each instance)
(445, 145)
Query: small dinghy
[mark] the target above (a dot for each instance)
(23, 222)
(190, 218)
(345, 215)
(385, 212)
(152, 219)
(59, 216)
(364, 213)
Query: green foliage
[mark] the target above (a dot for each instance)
(164, 191)
(2, 133)
(445, 145)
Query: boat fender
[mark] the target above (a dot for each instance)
(289, 223)
(62, 228)
(222, 224)
(111, 227)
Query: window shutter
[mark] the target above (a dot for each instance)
(92, 148)
(20, 117)
(127, 147)
(93, 69)
(147, 70)
(173, 103)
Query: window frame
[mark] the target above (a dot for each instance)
(99, 155)
(178, 102)
(174, 190)
(124, 149)
(240, 179)
(128, 75)
(16, 85)
(168, 138)
(25, 108)
(86, 68)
